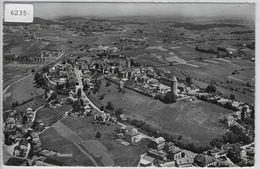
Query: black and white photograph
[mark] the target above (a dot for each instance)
(116, 84)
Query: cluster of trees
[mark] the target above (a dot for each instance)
(108, 83)
(23, 59)
(110, 106)
(211, 51)
(39, 80)
(61, 90)
(168, 98)
(211, 89)
(222, 49)
(232, 97)
(235, 135)
(78, 106)
(241, 32)
(227, 105)
(96, 84)
(15, 104)
(251, 46)
(134, 63)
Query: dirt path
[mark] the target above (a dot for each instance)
(69, 134)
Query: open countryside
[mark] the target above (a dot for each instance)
(130, 91)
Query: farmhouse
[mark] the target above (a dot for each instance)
(132, 136)
(160, 155)
(158, 143)
(184, 162)
(175, 153)
(10, 122)
(121, 118)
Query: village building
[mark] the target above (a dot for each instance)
(132, 136)
(184, 162)
(160, 155)
(158, 143)
(175, 153)
(147, 161)
(10, 123)
(121, 118)
(202, 160)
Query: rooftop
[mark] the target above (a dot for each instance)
(159, 140)
(132, 133)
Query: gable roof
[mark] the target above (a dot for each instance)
(132, 133)
(204, 159)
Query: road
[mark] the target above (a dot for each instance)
(22, 78)
(35, 42)
(84, 96)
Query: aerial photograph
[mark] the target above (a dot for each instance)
(130, 85)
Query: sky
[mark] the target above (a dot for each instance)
(56, 10)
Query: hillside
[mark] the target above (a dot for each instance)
(36, 20)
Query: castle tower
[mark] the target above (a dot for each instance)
(128, 63)
(174, 84)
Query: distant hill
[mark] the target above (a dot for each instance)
(36, 20)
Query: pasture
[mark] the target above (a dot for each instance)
(51, 115)
(196, 121)
(105, 150)
(160, 48)
(51, 140)
(22, 91)
(189, 53)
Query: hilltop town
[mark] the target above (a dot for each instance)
(110, 92)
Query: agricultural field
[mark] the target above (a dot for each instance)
(50, 115)
(105, 149)
(51, 140)
(13, 71)
(220, 70)
(22, 91)
(189, 53)
(197, 121)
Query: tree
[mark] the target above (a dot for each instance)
(169, 97)
(13, 105)
(76, 106)
(98, 135)
(24, 119)
(180, 137)
(102, 108)
(211, 89)
(188, 79)
(33, 70)
(110, 106)
(252, 115)
(119, 111)
(35, 125)
(242, 115)
(108, 83)
(45, 69)
(232, 97)
(79, 93)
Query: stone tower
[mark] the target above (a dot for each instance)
(128, 63)
(174, 84)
